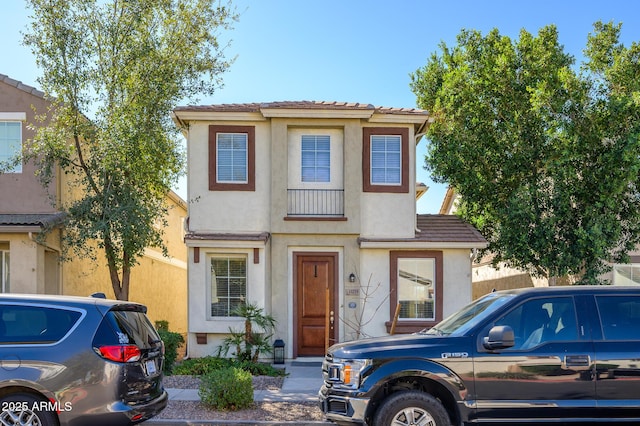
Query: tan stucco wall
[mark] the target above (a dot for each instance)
(200, 295)
(375, 270)
(387, 214)
(158, 282)
(209, 214)
(32, 265)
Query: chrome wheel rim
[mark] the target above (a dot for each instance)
(19, 418)
(413, 416)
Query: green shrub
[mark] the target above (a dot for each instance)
(259, 368)
(205, 365)
(162, 325)
(172, 342)
(201, 366)
(228, 388)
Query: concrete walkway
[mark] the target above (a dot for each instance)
(301, 384)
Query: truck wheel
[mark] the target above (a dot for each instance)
(411, 408)
(23, 409)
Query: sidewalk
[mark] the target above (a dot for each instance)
(301, 384)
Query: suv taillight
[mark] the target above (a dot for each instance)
(120, 353)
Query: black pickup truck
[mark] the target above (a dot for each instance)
(536, 355)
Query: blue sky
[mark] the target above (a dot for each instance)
(355, 50)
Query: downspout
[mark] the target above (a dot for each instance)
(418, 136)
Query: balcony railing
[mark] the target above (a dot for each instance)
(315, 202)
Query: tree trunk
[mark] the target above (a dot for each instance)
(120, 287)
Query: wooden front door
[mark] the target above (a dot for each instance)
(316, 320)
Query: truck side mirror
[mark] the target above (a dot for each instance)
(500, 337)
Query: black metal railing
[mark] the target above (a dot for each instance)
(315, 202)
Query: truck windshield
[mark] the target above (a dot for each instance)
(466, 318)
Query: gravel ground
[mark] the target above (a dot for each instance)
(263, 411)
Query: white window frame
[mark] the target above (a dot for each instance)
(13, 118)
(426, 285)
(386, 152)
(212, 293)
(232, 165)
(5, 271)
(316, 153)
(294, 153)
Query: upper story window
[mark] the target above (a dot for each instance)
(315, 181)
(231, 158)
(10, 144)
(316, 158)
(385, 159)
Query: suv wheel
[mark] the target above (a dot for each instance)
(23, 409)
(411, 408)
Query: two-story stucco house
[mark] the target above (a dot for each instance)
(31, 264)
(308, 209)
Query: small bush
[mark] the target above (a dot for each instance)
(172, 341)
(228, 388)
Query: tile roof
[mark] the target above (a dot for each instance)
(19, 85)
(446, 228)
(41, 220)
(256, 107)
(437, 228)
(262, 236)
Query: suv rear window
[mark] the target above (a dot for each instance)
(21, 324)
(127, 327)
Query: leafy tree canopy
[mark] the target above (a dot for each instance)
(544, 154)
(114, 70)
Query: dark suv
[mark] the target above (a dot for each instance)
(532, 355)
(78, 361)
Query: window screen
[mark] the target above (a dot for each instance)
(232, 157)
(316, 158)
(228, 284)
(386, 160)
(10, 143)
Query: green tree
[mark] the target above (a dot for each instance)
(114, 70)
(544, 155)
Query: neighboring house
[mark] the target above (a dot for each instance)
(31, 264)
(308, 209)
(27, 265)
(486, 277)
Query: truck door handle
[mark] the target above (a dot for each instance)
(577, 361)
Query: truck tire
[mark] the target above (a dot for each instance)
(411, 408)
